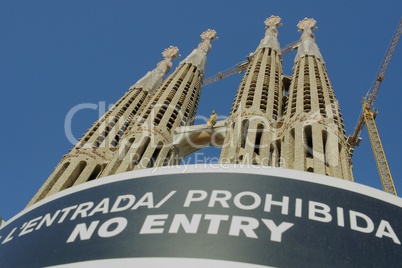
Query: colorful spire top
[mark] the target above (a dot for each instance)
(271, 33)
(198, 56)
(153, 79)
(308, 45)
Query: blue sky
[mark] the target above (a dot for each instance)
(59, 54)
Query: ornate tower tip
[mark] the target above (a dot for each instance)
(171, 52)
(271, 34)
(308, 45)
(198, 56)
(307, 23)
(209, 34)
(273, 21)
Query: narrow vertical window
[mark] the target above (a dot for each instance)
(54, 179)
(74, 175)
(271, 155)
(308, 141)
(155, 155)
(292, 146)
(123, 150)
(278, 147)
(244, 132)
(257, 146)
(324, 146)
(141, 150)
(167, 158)
(95, 173)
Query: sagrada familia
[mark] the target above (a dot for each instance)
(291, 122)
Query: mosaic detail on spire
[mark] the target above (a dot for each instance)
(198, 56)
(308, 45)
(153, 79)
(271, 34)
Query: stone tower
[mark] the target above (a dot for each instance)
(149, 142)
(88, 158)
(313, 131)
(275, 120)
(251, 128)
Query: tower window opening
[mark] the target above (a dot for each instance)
(61, 171)
(257, 146)
(292, 146)
(123, 150)
(140, 152)
(341, 151)
(168, 159)
(95, 173)
(324, 141)
(279, 151)
(155, 155)
(74, 175)
(54, 179)
(285, 104)
(308, 140)
(243, 133)
(307, 100)
(121, 131)
(271, 155)
(172, 119)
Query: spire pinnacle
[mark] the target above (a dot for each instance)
(308, 45)
(271, 33)
(171, 53)
(198, 56)
(153, 79)
(207, 37)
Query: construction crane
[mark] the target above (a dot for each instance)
(367, 118)
(242, 66)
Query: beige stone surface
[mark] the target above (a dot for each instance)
(296, 125)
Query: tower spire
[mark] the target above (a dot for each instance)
(153, 79)
(313, 132)
(89, 157)
(308, 45)
(271, 34)
(198, 56)
(250, 137)
(149, 140)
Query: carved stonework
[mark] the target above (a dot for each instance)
(271, 34)
(307, 23)
(198, 56)
(308, 45)
(171, 53)
(207, 36)
(153, 79)
(271, 24)
(306, 26)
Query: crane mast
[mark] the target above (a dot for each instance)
(378, 151)
(367, 118)
(372, 94)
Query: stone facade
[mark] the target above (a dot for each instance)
(313, 132)
(89, 157)
(276, 120)
(299, 127)
(251, 135)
